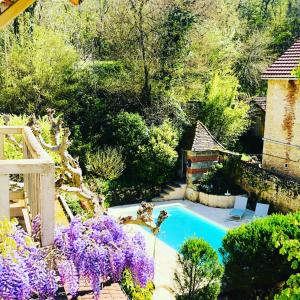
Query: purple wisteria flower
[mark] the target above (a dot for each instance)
(23, 271)
(97, 250)
(101, 251)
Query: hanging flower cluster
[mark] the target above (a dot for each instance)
(99, 251)
(23, 269)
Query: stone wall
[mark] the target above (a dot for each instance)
(199, 162)
(220, 201)
(282, 127)
(281, 192)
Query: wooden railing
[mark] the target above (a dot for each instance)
(38, 171)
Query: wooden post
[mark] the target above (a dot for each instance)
(4, 197)
(2, 146)
(47, 202)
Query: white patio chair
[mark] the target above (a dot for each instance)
(239, 208)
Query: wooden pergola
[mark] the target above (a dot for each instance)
(37, 196)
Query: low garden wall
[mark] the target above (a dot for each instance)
(221, 201)
(281, 192)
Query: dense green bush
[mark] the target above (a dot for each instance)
(37, 72)
(106, 164)
(253, 265)
(130, 132)
(218, 181)
(290, 248)
(201, 272)
(156, 160)
(118, 192)
(134, 291)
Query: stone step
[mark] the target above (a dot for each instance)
(171, 187)
(157, 199)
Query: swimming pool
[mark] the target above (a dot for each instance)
(182, 224)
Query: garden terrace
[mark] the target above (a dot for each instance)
(37, 194)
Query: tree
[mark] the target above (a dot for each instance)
(222, 112)
(37, 71)
(201, 272)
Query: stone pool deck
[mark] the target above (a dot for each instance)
(165, 256)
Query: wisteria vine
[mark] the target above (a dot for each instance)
(97, 250)
(24, 271)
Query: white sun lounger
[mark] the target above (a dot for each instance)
(261, 210)
(239, 208)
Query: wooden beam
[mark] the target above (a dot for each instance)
(2, 136)
(11, 129)
(33, 145)
(4, 197)
(47, 202)
(27, 220)
(16, 195)
(16, 209)
(25, 166)
(13, 11)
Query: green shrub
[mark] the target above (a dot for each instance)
(134, 291)
(217, 181)
(38, 71)
(106, 164)
(118, 193)
(156, 160)
(290, 248)
(253, 265)
(130, 131)
(201, 272)
(75, 207)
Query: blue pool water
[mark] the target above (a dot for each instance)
(182, 224)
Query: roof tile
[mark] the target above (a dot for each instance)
(282, 68)
(260, 102)
(204, 140)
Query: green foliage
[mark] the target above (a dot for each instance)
(222, 112)
(11, 151)
(8, 245)
(218, 180)
(157, 158)
(201, 272)
(107, 164)
(130, 131)
(253, 264)
(174, 41)
(134, 291)
(37, 71)
(290, 248)
(119, 192)
(75, 207)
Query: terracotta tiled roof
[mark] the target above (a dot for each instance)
(260, 101)
(204, 140)
(285, 64)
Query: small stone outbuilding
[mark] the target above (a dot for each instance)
(205, 152)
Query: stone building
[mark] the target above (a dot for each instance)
(281, 150)
(205, 152)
